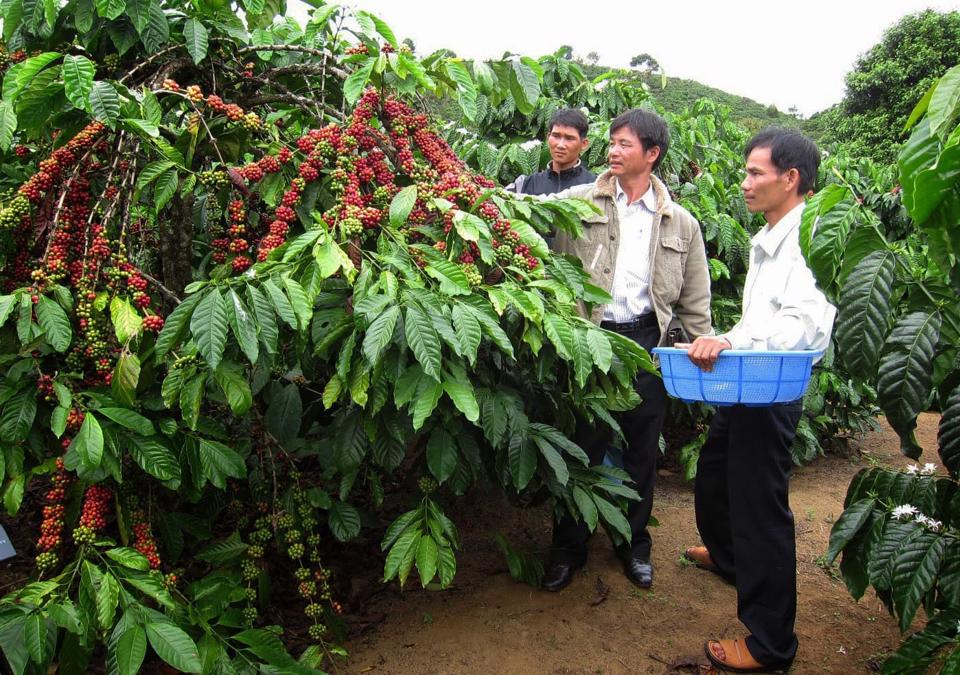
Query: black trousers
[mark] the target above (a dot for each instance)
(744, 518)
(641, 427)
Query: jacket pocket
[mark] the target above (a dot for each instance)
(675, 244)
(595, 219)
(670, 265)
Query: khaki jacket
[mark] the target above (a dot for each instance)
(680, 276)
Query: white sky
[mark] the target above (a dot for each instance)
(785, 53)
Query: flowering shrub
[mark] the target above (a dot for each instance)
(900, 530)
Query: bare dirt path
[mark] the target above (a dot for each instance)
(489, 623)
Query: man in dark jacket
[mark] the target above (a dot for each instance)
(566, 140)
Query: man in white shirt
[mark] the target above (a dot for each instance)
(647, 252)
(742, 484)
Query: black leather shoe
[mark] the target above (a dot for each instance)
(558, 576)
(639, 571)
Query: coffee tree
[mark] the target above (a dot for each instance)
(898, 327)
(248, 290)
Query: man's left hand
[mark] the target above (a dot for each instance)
(705, 350)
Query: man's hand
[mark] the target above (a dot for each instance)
(705, 350)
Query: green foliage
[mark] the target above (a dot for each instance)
(898, 328)
(890, 78)
(303, 366)
(313, 359)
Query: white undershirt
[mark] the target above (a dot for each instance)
(631, 277)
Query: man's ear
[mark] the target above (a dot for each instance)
(657, 154)
(793, 179)
(586, 144)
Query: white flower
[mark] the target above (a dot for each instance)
(912, 469)
(842, 650)
(934, 525)
(904, 511)
(921, 519)
(928, 469)
(526, 145)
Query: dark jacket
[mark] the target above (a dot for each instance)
(548, 182)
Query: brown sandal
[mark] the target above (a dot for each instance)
(734, 656)
(700, 556)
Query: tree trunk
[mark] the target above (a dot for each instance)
(176, 246)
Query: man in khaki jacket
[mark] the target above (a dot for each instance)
(648, 253)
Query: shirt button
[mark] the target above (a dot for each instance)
(613, 237)
(606, 270)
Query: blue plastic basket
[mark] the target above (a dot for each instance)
(753, 378)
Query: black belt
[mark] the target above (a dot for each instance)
(648, 320)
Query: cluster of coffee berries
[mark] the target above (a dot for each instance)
(474, 278)
(283, 217)
(214, 179)
(78, 253)
(75, 420)
(194, 94)
(93, 516)
(248, 120)
(50, 172)
(143, 540)
(362, 158)
(15, 212)
(51, 529)
(45, 388)
(237, 115)
(313, 581)
(236, 244)
(22, 151)
(427, 484)
(153, 323)
(136, 285)
(259, 536)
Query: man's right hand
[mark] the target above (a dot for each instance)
(704, 350)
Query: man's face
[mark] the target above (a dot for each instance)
(565, 145)
(627, 156)
(765, 188)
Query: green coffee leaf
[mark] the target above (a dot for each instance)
(209, 327)
(88, 443)
(104, 101)
(78, 72)
(54, 322)
(196, 38)
(174, 646)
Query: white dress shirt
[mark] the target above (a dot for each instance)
(782, 307)
(631, 277)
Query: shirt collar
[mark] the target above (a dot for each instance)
(649, 198)
(569, 171)
(769, 238)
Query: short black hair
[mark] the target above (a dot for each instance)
(789, 149)
(648, 126)
(570, 117)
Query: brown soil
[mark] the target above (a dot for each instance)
(488, 623)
